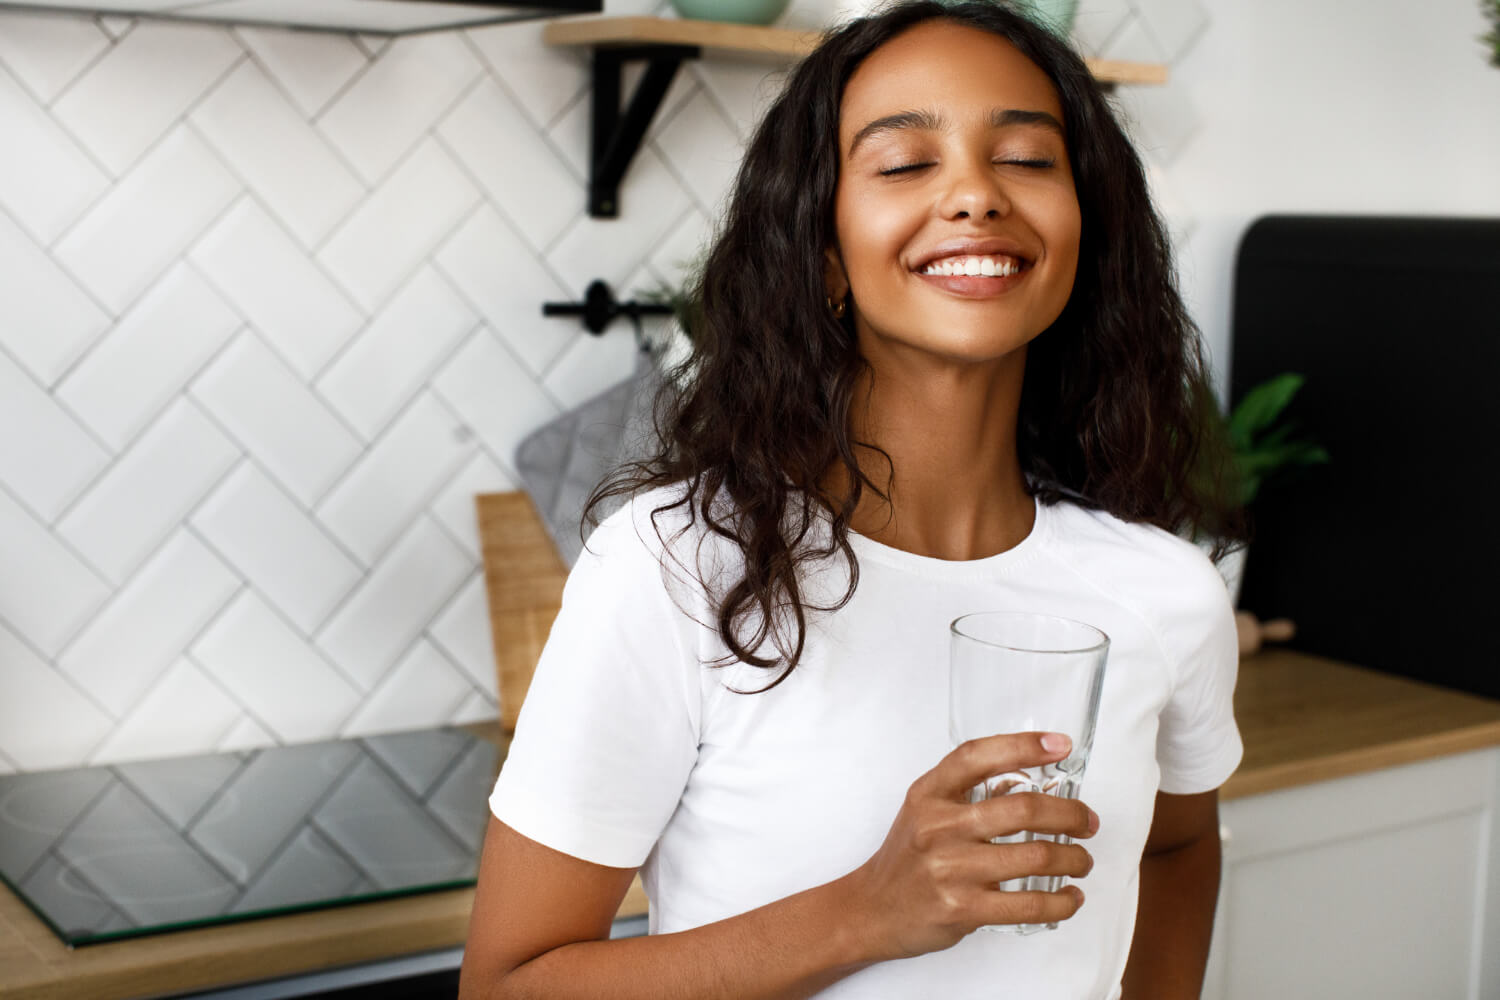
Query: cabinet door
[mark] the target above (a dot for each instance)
(1373, 886)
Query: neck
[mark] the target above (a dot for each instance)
(954, 479)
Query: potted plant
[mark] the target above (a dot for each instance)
(1491, 10)
(1262, 444)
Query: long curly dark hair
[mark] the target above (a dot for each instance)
(1115, 412)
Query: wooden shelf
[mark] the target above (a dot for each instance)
(664, 44)
(764, 43)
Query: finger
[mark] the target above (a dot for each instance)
(1000, 907)
(974, 761)
(1037, 812)
(987, 865)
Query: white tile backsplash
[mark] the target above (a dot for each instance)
(489, 388)
(48, 188)
(46, 318)
(47, 721)
(462, 631)
(311, 68)
(544, 81)
(703, 149)
(1175, 24)
(395, 478)
(45, 456)
(529, 182)
(392, 359)
(184, 713)
(278, 153)
(285, 287)
(602, 248)
(498, 272)
(396, 228)
(454, 506)
(143, 85)
(286, 297)
(378, 119)
(143, 224)
(47, 52)
(1132, 42)
(149, 622)
(285, 684)
(377, 625)
(277, 418)
(56, 594)
(277, 546)
(148, 358)
(424, 689)
(1097, 21)
(143, 497)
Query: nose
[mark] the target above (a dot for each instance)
(974, 192)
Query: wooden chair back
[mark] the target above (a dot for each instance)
(523, 580)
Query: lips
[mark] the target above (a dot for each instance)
(975, 268)
(966, 257)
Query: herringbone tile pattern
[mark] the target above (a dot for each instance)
(269, 317)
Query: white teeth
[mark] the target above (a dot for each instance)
(974, 266)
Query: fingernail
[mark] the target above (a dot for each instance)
(1093, 821)
(1081, 896)
(1056, 743)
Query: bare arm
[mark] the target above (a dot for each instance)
(541, 918)
(1179, 888)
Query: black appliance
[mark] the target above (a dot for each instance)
(108, 852)
(1386, 557)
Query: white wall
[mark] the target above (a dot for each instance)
(269, 316)
(1370, 107)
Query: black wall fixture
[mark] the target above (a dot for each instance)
(600, 308)
(617, 133)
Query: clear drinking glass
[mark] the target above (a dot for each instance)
(1016, 672)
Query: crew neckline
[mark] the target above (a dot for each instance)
(866, 547)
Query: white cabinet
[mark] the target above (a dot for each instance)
(1383, 885)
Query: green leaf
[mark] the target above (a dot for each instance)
(1261, 406)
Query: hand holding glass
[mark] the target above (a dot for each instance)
(1015, 673)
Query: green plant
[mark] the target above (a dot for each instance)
(684, 308)
(1260, 445)
(1491, 9)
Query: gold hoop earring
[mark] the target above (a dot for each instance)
(837, 307)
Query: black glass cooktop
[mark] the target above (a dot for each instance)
(108, 852)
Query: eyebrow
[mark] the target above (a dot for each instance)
(933, 121)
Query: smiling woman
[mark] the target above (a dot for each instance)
(940, 367)
(958, 224)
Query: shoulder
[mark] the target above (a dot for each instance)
(1166, 580)
(1122, 551)
(656, 540)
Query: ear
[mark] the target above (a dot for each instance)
(835, 279)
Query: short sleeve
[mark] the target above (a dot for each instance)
(1198, 743)
(609, 729)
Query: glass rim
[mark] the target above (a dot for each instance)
(1102, 643)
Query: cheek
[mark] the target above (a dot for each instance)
(1064, 230)
(871, 234)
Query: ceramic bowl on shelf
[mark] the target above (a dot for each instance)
(737, 11)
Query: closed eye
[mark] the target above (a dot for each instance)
(1035, 164)
(904, 168)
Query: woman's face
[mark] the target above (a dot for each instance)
(956, 217)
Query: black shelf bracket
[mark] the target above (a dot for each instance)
(616, 133)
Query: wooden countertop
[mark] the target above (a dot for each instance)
(1303, 718)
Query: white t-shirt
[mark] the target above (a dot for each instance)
(630, 751)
